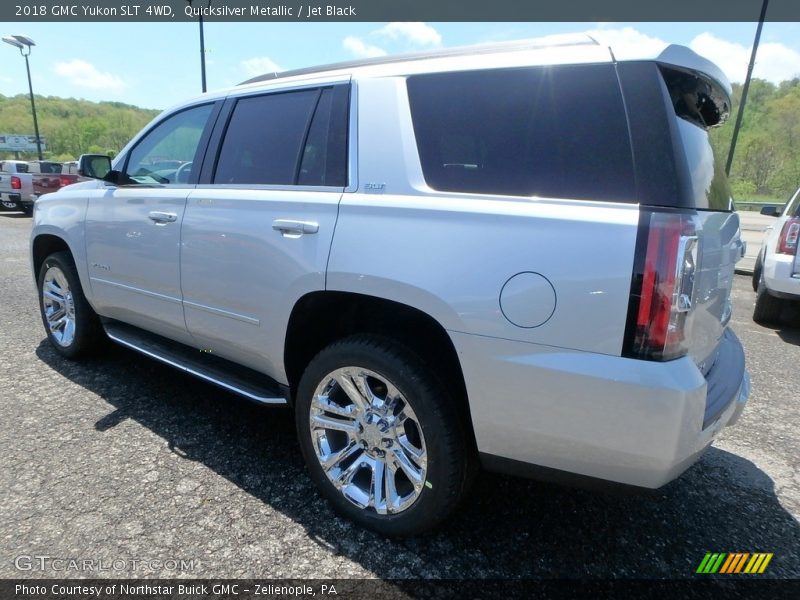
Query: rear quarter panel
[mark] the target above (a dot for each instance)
(450, 255)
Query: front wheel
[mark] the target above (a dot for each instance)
(382, 437)
(72, 326)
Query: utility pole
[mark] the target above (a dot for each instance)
(746, 88)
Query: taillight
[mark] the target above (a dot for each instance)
(662, 289)
(64, 180)
(16, 183)
(787, 242)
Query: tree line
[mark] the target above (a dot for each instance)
(766, 164)
(73, 127)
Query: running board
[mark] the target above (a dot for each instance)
(219, 371)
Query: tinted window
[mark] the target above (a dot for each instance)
(264, 137)
(324, 159)
(709, 184)
(553, 132)
(793, 206)
(166, 153)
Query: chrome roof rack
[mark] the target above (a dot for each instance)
(531, 44)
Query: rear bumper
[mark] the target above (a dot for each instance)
(7, 200)
(628, 421)
(778, 278)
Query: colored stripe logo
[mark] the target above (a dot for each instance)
(734, 562)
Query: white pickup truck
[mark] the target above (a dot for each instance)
(16, 186)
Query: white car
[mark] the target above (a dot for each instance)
(776, 277)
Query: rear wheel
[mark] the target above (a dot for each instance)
(72, 326)
(768, 307)
(383, 440)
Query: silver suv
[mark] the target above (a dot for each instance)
(515, 256)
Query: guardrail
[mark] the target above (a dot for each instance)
(756, 206)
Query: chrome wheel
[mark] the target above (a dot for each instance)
(368, 440)
(59, 306)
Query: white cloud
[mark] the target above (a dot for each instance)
(259, 65)
(416, 34)
(360, 49)
(628, 42)
(774, 62)
(84, 74)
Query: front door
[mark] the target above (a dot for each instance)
(133, 230)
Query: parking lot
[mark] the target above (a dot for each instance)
(122, 459)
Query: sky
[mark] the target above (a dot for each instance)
(157, 65)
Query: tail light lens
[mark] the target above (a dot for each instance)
(64, 180)
(16, 183)
(662, 290)
(787, 242)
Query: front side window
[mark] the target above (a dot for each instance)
(167, 152)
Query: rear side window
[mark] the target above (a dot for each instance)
(540, 131)
(286, 139)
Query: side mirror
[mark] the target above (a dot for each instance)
(96, 166)
(771, 211)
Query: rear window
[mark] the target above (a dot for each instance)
(700, 104)
(554, 132)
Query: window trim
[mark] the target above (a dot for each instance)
(217, 137)
(200, 152)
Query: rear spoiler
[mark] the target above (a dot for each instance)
(699, 90)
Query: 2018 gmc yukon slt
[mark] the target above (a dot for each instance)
(516, 255)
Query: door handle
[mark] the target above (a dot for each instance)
(162, 218)
(291, 228)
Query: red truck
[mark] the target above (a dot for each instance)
(33, 179)
(48, 176)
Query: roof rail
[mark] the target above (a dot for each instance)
(530, 44)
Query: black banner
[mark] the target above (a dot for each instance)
(395, 10)
(373, 589)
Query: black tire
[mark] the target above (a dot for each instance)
(450, 460)
(768, 308)
(88, 331)
(757, 271)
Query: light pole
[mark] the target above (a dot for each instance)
(202, 46)
(24, 45)
(745, 88)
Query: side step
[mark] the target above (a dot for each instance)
(219, 371)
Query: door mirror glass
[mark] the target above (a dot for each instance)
(95, 166)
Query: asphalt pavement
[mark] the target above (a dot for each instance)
(123, 460)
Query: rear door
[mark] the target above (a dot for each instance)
(258, 230)
(133, 230)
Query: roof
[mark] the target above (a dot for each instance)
(549, 50)
(552, 41)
